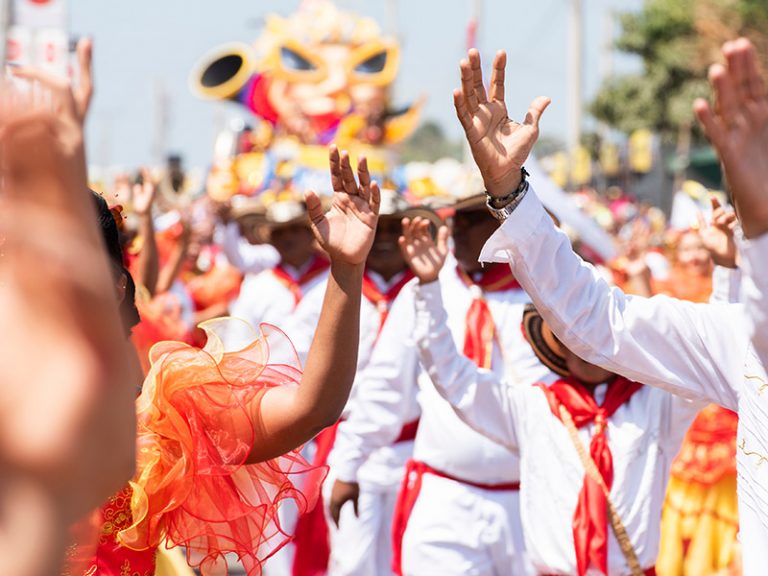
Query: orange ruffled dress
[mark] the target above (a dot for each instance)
(198, 419)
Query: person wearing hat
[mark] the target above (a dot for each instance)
(272, 295)
(240, 232)
(359, 539)
(629, 432)
(465, 519)
(717, 351)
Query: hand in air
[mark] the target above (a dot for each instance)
(737, 126)
(718, 236)
(346, 231)
(500, 146)
(423, 254)
(144, 194)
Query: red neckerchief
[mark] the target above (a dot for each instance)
(383, 300)
(590, 519)
(480, 329)
(317, 267)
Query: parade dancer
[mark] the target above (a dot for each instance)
(630, 432)
(699, 351)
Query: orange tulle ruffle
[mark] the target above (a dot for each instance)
(196, 428)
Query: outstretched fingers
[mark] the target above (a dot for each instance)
(334, 161)
(84, 92)
(754, 73)
(468, 87)
(365, 178)
(712, 124)
(477, 76)
(535, 110)
(348, 183)
(461, 110)
(314, 207)
(498, 75)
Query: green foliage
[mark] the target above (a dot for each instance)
(429, 143)
(676, 40)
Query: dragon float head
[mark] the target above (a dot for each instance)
(319, 74)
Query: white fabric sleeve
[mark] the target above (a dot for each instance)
(478, 397)
(383, 394)
(246, 257)
(754, 254)
(726, 285)
(693, 350)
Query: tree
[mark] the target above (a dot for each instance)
(676, 40)
(429, 143)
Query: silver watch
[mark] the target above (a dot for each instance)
(501, 213)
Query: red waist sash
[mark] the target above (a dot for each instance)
(409, 493)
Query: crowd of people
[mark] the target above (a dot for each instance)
(357, 384)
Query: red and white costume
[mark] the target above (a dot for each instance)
(465, 519)
(361, 545)
(699, 351)
(633, 431)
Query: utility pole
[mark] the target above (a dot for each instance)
(575, 75)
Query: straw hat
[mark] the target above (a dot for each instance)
(543, 341)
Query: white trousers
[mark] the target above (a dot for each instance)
(362, 544)
(456, 529)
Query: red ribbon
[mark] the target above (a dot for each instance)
(480, 328)
(590, 519)
(317, 267)
(383, 300)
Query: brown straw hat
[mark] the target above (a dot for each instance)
(543, 341)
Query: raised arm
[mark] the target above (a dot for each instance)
(737, 126)
(477, 396)
(149, 259)
(66, 386)
(289, 416)
(695, 351)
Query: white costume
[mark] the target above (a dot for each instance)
(246, 257)
(362, 544)
(644, 436)
(698, 351)
(456, 526)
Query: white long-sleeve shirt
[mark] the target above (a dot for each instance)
(394, 376)
(754, 255)
(644, 436)
(246, 257)
(698, 351)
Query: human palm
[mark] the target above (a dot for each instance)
(144, 194)
(424, 255)
(719, 236)
(347, 230)
(500, 146)
(738, 129)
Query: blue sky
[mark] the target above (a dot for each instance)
(146, 46)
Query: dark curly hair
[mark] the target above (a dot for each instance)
(111, 236)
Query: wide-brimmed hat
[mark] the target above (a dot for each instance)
(545, 344)
(394, 205)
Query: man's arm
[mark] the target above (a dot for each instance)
(755, 292)
(694, 350)
(477, 396)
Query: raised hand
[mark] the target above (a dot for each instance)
(347, 230)
(500, 146)
(424, 255)
(719, 237)
(737, 127)
(144, 194)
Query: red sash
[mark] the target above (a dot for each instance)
(481, 330)
(317, 267)
(590, 519)
(409, 493)
(383, 300)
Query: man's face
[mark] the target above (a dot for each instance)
(692, 255)
(294, 242)
(471, 230)
(584, 371)
(385, 256)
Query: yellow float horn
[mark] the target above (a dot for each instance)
(224, 73)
